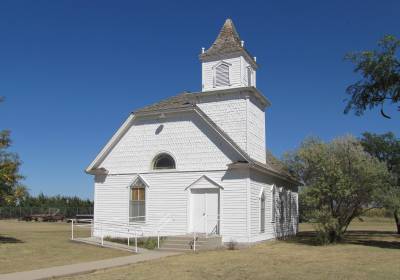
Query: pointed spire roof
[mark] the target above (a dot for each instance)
(228, 41)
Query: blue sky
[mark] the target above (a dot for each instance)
(71, 71)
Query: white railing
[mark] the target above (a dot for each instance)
(146, 228)
(123, 229)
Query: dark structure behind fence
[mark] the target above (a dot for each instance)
(20, 212)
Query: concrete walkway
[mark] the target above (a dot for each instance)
(87, 267)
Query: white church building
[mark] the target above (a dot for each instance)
(197, 162)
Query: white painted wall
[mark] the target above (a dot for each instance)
(193, 144)
(229, 112)
(275, 227)
(237, 73)
(256, 146)
(244, 74)
(242, 118)
(168, 194)
(234, 73)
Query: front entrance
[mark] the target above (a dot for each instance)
(204, 211)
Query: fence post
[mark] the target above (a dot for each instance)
(158, 239)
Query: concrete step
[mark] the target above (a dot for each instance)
(185, 243)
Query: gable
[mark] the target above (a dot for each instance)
(204, 182)
(138, 181)
(185, 135)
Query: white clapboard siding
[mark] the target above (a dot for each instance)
(256, 131)
(168, 193)
(244, 73)
(192, 143)
(229, 112)
(209, 76)
(257, 184)
(274, 228)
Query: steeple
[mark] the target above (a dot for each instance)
(227, 63)
(227, 42)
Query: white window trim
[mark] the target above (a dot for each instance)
(130, 186)
(250, 79)
(152, 169)
(262, 193)
(273, 204)
(214, 71)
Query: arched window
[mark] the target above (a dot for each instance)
(262, 213)
(163, 161)
(222, 75)
(249, 77)
(273, 204)
(137, 202)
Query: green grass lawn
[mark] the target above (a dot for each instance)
(33, 245)
(371, 251)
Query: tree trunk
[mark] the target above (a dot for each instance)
(397, 220)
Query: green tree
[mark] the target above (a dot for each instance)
(380, 83)
(10, 188)
(386, 148)
(341, 182)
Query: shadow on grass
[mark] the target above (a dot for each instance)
(6, 239)
(379, 239)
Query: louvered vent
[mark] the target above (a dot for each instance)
(222, 75)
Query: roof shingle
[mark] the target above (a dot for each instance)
(175, 102)
(228, 41)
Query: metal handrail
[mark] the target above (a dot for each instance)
(151, 228)
(93, 227)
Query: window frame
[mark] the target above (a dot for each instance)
(249, 76)
(282, 210)
(158, 157)
(273, 204)
(137, 185)
(262, 212)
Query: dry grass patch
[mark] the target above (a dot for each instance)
(33, 245)
(371, 251)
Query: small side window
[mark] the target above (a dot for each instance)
(273, 204)
(249, 77)
(262, 213)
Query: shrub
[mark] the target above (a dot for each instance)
(148, 243)
(232, 245)
(341, 180)
(378, 212)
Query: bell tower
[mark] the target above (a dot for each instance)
(227, 63)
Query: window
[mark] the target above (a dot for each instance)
(137, 203)
(249, 77)
(163, 161)
(222, 75)
(282, 206)
(273, 204)
(262, 213)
